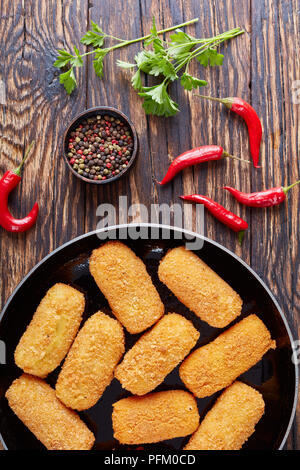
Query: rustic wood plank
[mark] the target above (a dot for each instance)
(115, 90)
(212, 124)
(289, 27)
(275, 57)
(24, 118)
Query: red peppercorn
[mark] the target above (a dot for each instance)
(120, 153)
(108, 165)
(80, 152)
(71, 146)
(72, 161)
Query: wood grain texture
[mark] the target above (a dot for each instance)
(260, 66)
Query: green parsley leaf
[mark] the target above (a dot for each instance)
(97, 28)
(181, 37)
(77, 60)
(181, 43)
(155, 64)
(189, 82)
(154, 39)
(157, 101)
(136, 80)
(153, 30)
(210, 57)
(68, 80)
(143, 60)
(92, 38)
(162, 66)
(62, 59)
(125, 65)
(98, 61)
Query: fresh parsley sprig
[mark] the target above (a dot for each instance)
(166, 59)
(96, 38)
(159, 58)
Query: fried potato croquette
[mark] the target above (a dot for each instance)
(217, 364)
(123, 279)
(51, 331)
(198, 287)
(155, 417)
(56, 426)
(231, 421)
(156, 354)
(90, 363)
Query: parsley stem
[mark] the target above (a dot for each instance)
(162, 31)
(116, 39)
(124, 43)
(214, 41)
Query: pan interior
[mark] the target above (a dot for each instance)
(274, 376)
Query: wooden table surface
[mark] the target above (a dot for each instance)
(261, 66)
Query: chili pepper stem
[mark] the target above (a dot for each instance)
(226, 101)
(241, 236)
(287, 188)
(17, 170)
(226, 154)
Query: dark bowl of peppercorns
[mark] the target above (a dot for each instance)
(100, 145)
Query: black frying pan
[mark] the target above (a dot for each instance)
(275, 376)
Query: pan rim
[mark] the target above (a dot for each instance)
(192, 234)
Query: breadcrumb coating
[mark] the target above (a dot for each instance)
(217, 364)
(156, 354)
(56, 426)
(155, 417)
(51, 331)
(90, 363)
(198, 287)
(231, 421)
(125, 282)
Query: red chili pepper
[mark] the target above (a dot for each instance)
(205, 153)
(7, 183)
(248, 113)
(219, 212)
(269, 197)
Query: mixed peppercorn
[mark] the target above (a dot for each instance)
(100, 147)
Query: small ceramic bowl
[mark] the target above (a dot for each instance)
(103, 110)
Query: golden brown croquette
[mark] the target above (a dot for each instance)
(198, 287)
(231, 421)
(125, 282)
(51, 331)
(217, 364)
(90, 363)
(55, 425)
(155, 417)
(156, 354)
